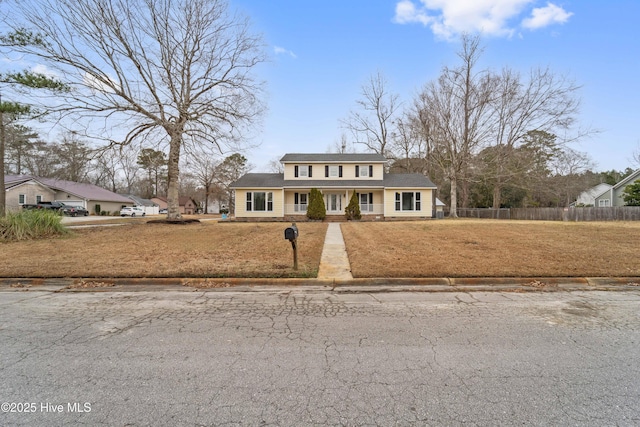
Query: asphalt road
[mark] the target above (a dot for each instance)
(318, 358)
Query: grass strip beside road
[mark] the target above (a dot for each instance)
(206, 249)
(493, 248)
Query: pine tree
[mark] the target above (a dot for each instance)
(316, 209)
(353, 208)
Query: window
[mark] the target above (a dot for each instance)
(364, 171)
(333, 171)
(301, 201)
(408, 201)
(22, 199)
(604, 203)
(259, 201)
(302, 171)
(366, 202)
(38, 199)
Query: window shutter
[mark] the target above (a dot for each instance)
(340, 171)
(370, 171)
(357, 171)
(371, 198)
(295, 198)
(295, 171)
(326, 171)
(310, 171)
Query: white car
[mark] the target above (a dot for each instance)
(131, 211)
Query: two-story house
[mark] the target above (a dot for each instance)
(381, 195)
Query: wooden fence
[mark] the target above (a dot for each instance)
(618, 213)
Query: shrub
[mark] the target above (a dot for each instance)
(31, 224)
(353, 208)
(316, 208)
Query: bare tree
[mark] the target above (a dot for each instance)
(170, 71)
(456, 108)
(372, 123)
(203, 169)
(545, 102)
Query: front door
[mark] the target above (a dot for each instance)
(333, 202)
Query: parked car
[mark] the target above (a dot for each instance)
(54, 206)
(74, 211)
(131, 211)
(163, 211)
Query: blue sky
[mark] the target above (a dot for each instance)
(322, 52)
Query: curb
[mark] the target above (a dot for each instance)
(369, 285)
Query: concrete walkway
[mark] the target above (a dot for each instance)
(334, 264)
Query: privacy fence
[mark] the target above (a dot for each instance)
(620, 213)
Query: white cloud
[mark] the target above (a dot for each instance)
(44, 70)
(448, 18)
(544, 16)
(282, 51)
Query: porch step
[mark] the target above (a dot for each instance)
(335, 218)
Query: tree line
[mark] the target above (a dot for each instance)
(486, 138)
(128, 169)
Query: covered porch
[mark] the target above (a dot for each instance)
(335, 201)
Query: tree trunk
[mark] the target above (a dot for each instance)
(453, 210)
(173, 172)
(3, 193)
(497, 191)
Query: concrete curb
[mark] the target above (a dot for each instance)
(371, 285)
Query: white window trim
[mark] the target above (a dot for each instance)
(416, 206)
(303, 171)
(334, 171)
(250, 201)
(24, 199)
(364, 171)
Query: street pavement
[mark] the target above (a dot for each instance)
(298, 357)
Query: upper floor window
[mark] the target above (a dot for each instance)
(332, 171)
(364, 171)
(305, 171)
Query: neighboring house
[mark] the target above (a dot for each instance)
(25, 189)
(613, 195)
(148, 206)
(381, 195)
(588, 197)
(186, 204)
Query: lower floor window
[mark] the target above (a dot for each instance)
(408, 201)
(22, 199)
(604, 203)
(259, 201)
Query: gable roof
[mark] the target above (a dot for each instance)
(78, 189)
(623, 183)
(333, 157)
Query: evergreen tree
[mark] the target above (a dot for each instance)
(316, 209)
(353, 208)
(631, 194)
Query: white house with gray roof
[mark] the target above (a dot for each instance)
(337, 176)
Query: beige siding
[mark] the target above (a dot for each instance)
(348, 171)
(426, 201)
(241, 204)
(31, 190)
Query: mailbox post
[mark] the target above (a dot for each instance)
(291, 234)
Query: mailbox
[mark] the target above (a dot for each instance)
(291, 233)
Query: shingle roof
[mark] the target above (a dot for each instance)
(85, 191)
(333, 157)
(276, 180)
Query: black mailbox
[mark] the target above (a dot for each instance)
(291, 233)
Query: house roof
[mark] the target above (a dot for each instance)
(333, 157)
(78, 189)
(139, 201)
(276, 180)
(629, 179)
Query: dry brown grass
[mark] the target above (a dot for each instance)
(139, 249)
(486, 248)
